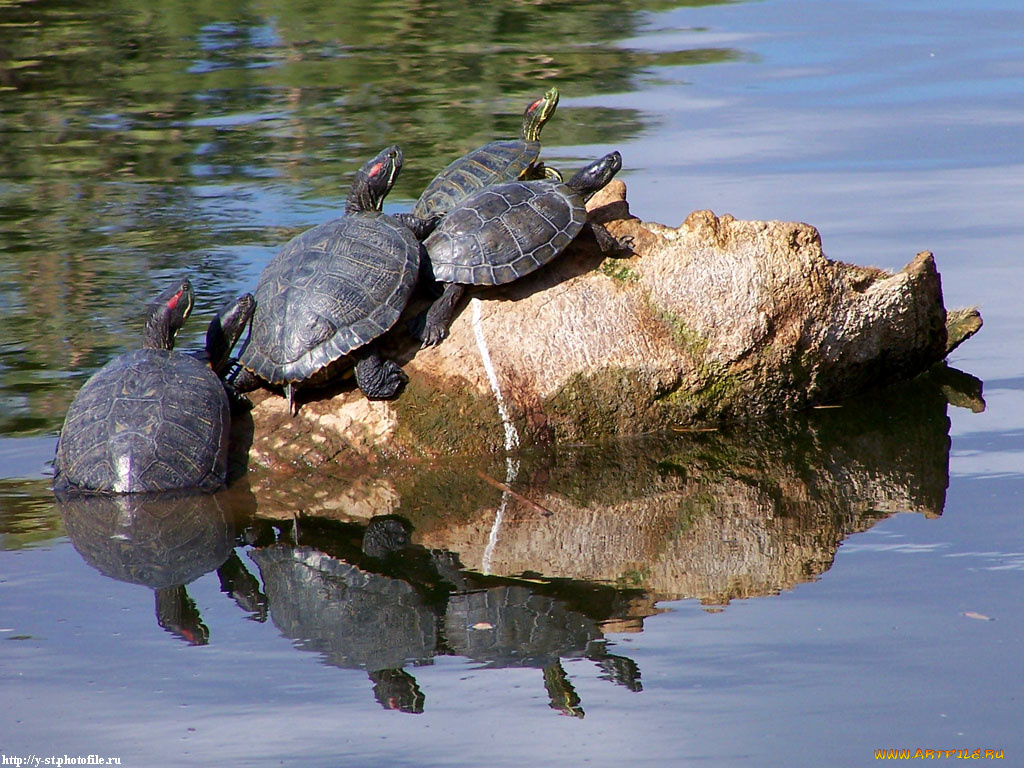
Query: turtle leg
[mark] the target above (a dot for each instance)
(552, 174)
(420, 227)
(609, 245)
(243, 380)
(378, 378)
(237, 383)
(440, 314)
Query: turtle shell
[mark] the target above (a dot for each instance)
(331, 290)
(149, 420)
(503, 232)
(492, 163)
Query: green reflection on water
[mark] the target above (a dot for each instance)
(140, 140)
(28, 515)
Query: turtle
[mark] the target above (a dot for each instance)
(154, 419)
(492, 163)
(505, 231)
(325, 298)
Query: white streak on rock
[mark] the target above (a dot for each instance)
(511, 434)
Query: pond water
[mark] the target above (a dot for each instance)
(797, 593)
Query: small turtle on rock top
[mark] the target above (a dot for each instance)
(505, 231)
(493, 163)
(154, 419)
(325, 298)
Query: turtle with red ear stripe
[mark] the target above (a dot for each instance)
(154, 419)
(493, 163)
(332, 291)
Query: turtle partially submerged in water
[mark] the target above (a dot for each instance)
(154, 419)
(334, 289)
(493, 163)
(506, 231)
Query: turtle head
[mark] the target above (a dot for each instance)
(374, 180)
(537, 114)
(225, 329)
(589, 179)
(167, 314)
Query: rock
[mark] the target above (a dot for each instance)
(716, 320)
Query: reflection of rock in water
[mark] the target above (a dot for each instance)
(714, 515)
(717, 515)
(163, 542)
(353, 617)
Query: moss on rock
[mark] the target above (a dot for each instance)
(446, 419)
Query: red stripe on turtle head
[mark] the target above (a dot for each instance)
(535, 104)
(375, 169)
(173, 301)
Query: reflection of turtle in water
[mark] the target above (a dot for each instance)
(353, 617)
(370, 602)
(513, 626)
(163, 542)
(385, 608)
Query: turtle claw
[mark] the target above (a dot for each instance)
(609, 244)
(433, 335)
(434, 328)
(429, 334)
(293, 404)
(238, 401)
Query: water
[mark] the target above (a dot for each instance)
(798, 593)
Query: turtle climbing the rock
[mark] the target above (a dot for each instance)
(493, 163)
(154, 419)
(506, 231)
(325, 298)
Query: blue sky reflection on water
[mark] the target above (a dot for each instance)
(891, 128)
